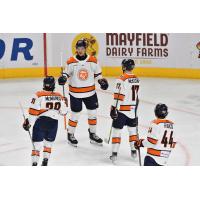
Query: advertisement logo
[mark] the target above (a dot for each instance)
(92, 44)
(198, 47)
(137, 45)
(20, 46)
(83, 74)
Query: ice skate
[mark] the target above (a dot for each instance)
(113, 158)
(134, 154)
(34, 164)
(45, 162)
(94, 139)
(72, 140)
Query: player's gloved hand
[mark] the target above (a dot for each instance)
(114, 113)
(62, 80)
(138, 144)
(26, 125)
(103, 83)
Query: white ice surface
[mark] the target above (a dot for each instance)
(182, 97)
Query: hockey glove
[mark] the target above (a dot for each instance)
(138, 144)
(103, 83)
(114, 113)
(26, 125)
(62, 80)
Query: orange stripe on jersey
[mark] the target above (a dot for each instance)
(35, 153)
(48, 93)
(152, 140)
(125, 107)
(153, 152)
(47, 150)
(92, 59)
(133, 138)
(116, 140)
(119, 96)
(72, 123)
(36, 112)
(71, 60)
(158, 121)
(173, 144)
(127, 76)
(92, 121)
(81, 89)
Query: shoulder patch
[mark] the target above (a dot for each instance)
(47, 93)
(92, 59)
(126, 76)
(71, 60)
(158, 121)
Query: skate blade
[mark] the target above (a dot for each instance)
(114, 161)
(134, 156)
(73, 145)
(95, 143)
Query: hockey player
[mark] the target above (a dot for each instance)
(124, 108)
(44, 110)
(82, 70)
(160, 139)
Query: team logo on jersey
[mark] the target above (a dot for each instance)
(92, 44)
(83, 74)
(198, 47)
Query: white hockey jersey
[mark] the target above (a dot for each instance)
(82, 75)
(160, 140)
(46, 103)
(126, 94)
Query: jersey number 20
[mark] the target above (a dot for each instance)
(55, 106)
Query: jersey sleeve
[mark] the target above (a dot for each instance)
(34, 109)
(97, 71)
(152, 136)
(68, 71)
(118, 93)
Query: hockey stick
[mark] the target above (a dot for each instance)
(139, 154)
(107, 140)
(63, 87)
(24, 120)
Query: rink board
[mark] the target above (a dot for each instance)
(107, 71)
(170, 55)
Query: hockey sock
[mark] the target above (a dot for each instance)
(36, 152)
(47, 149)
(92, 120)
(116, 140)
(73, 121)
(132, 136)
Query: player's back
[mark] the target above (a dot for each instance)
(162, 137)
(47, 103)
(130, 87)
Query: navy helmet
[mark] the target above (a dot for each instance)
(49, 83)
(161, 110)
(128, 64)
